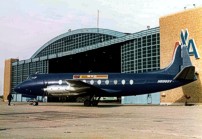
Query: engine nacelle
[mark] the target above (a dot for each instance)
(64, 90)
(58, 89)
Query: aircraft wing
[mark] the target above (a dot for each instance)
(83, 88)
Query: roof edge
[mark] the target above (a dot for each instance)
(78, 31)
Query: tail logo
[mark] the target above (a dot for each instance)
(190, 43)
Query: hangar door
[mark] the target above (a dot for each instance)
(107, 59)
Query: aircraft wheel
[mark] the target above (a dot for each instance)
(87, 103)
(94, 103)
(35, 103)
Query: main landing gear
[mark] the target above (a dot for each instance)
(91, 101)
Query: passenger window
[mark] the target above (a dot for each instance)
(84, 81)
(115, 82)
(131, 82)
(91, 82)
(107, 82)
(123, 82)
(99, 82)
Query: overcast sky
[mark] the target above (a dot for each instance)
(25, 25)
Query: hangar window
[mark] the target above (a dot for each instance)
(99, 82)
(123, 82)
(115, 82)
(107, 82)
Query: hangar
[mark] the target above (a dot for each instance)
(104, 50)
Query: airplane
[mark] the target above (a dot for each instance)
(92, 86)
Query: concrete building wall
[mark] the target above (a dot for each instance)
(7, 77)
(170, 28)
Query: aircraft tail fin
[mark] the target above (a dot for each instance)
(188, 73)
(180, 61)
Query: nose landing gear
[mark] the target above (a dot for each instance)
(33, 102)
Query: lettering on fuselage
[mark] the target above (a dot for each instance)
(90, 76)
(164, 81)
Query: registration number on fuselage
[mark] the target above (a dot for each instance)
(164, 81)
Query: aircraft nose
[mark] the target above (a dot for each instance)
(17, 89)
(21, 88)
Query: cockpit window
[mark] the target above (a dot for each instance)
(28, 77)
(34, 77)
(31, 77)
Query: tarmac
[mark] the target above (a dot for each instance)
(73, 120)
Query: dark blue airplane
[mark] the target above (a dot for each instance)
(92, 86)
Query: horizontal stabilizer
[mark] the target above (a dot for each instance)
(188, 73)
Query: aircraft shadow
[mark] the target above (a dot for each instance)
(101, 105)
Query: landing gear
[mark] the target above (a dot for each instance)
(95, 103)
(91, 101)
(87, 103)
(36, 103)
(33, 102)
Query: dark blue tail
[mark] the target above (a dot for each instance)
(181, 60)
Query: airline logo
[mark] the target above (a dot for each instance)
(190, 43)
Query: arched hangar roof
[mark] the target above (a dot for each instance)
(108, 32)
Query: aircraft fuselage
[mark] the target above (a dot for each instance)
(114, 84)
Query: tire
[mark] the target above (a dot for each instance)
(87, 103)
(35, 103)
(95, 103)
